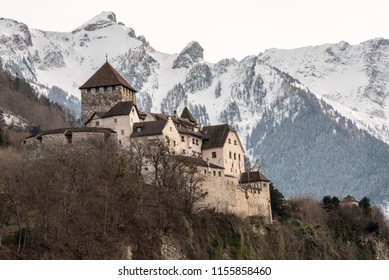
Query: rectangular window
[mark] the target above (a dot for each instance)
(138, 129)
(235, 156)
(115, 120)
(239, 157)
(197, 142)
(220, 173)
(97, 123)
(213, 154)
(205, 172)
(182, 138)
(230, 155)
(122, 132)
(214, 173)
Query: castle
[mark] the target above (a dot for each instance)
(109, 111)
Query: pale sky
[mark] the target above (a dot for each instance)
(225, 29)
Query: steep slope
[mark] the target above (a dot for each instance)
(22, 110)
(317, 151)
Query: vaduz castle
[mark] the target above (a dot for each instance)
(109, 111)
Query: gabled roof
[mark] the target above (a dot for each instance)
(141, 129)
(106, 76)
(182, 124)
(187, 115)
(253, 176)
(216, 135)
(120, 108)
(99, 114)
(349, 199)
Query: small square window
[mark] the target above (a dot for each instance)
(213, 154)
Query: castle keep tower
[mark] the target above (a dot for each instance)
(103, 90)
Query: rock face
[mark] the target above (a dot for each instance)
(191, 54)
(315, 117)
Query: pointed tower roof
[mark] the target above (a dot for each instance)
(106, 76)
(187, 115)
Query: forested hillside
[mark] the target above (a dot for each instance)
(22, 109)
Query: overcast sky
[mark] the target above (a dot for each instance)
(225, 29)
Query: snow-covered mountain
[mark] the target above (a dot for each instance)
(316, 117)
(353, 79)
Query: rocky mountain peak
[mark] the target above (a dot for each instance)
(14, 34)
(192, 53)
(102, 20)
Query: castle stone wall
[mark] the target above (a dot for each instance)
(101, 100)
(226, 196)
